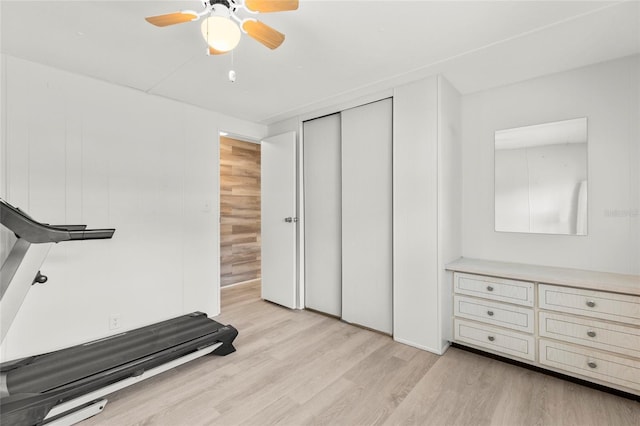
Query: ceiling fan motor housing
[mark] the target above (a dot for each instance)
(212, 3)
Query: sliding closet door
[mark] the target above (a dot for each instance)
(367, 215)
(323, 256)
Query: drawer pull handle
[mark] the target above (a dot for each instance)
(491, 338)
(489, 288)
(490, 313)
(591, 303)
(591, 333)
(592, 364)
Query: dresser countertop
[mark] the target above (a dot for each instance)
(593, 280)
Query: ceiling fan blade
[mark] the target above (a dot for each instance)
(263, 33)
(271, 5)
(172, 18)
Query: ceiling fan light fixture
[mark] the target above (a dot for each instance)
(220, 33)
(222, 28)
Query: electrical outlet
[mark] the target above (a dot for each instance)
(115, 321)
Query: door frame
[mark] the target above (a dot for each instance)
(299, 285)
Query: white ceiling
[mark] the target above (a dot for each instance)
(334, 50)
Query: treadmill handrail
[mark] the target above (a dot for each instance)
(36, 232)
(69, 227)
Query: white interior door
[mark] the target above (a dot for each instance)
(279, 221)
(367, 200)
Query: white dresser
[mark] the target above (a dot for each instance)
(584, 324)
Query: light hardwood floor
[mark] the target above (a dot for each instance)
(302, 368)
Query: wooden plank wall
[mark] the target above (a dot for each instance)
(239, 211)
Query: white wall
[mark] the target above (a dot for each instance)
(416, 320)
(78, 150)
(449, 199)
(291, 125)
(427, 182)
(608, 94)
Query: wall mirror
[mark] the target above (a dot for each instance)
(541, 178)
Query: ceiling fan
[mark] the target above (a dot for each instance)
(219, 29)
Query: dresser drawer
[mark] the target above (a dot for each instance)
(596, 334)
(591, 363)
(510, 343)
(495, 313)
(504, 290)
(591, 303)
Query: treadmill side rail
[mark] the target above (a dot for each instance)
(81, 414)
(59, 411)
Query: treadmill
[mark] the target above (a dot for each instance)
(69, 385)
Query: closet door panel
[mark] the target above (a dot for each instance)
(322, 199)
(367, 215)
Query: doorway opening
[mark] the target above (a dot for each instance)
(240, 211)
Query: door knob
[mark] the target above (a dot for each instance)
(288, 219)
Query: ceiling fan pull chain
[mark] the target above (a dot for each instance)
(232, 73)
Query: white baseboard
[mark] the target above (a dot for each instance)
(439, 351)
